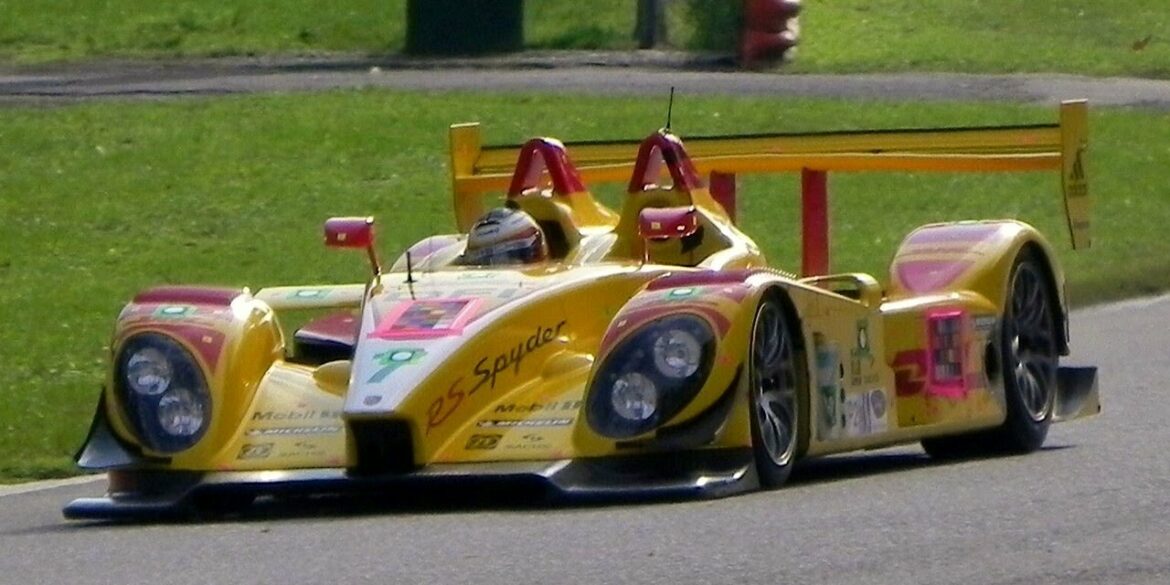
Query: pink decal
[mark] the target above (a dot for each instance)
(189, 295)
(426, 319)
(338, 327)
(924, 276)
(630, 320)
(700, 278)
(947, 337)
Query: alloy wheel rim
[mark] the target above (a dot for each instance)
(774, 384)
(1032, 342)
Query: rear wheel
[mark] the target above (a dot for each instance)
(1030, 357)
(774, 402)
(1029, 354)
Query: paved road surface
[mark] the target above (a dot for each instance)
(1093, 507)
(651, 74)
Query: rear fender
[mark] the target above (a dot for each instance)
(972, 256)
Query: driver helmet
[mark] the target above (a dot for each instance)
(505, 236)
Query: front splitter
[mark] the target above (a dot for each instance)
(153, 494)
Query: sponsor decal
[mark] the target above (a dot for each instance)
(426, 319)
(1077, 187)
(255, 451)
(524, 423)
(513, 357)
(486, 372)
(302, 449)
(392, 359)
(910, 372)
(294, 431)
(528, 441)
(865, 413)
(830, 393)
(565, 405)
(985, 323)
(296, 415)
(861, 358)
(483, 442)
(681, 293)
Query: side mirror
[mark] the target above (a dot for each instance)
(662, 223)
(349, 232)
(665, 223)
(353, 232)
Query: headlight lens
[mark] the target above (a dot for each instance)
(148, 371)
(180, 413)
(163, 392)
(677, 353)
(650, 376)
(635, 398)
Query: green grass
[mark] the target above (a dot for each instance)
(100, 200)
(1073, 36)
(997, 36)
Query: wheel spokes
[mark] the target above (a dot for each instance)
(774, 381)
(1032, 342)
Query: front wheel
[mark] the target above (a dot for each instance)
(774, 402)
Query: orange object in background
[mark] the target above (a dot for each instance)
(770, 30)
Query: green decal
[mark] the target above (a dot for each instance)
(392, 360)
(682, 293)
(310, 293)
(174, 311)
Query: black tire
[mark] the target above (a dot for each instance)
(774, 376)
(1029, 353)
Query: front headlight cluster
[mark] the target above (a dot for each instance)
(163, 391)
(650, 376)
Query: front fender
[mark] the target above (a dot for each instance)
(234, 339)
(726, 301)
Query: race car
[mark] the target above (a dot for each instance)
(598, 352)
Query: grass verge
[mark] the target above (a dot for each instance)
(101, 200)
(1123, 37)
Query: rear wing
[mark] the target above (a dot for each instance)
(478, 169)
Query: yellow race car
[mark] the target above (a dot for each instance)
(590, 351)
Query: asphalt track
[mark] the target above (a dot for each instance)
(1092, 507)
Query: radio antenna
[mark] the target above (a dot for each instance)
(669, 108)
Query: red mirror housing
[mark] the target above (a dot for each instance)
(353, 232)
(660, 223)
(349, 232)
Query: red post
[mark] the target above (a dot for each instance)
(722, 188)
(814, 212)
